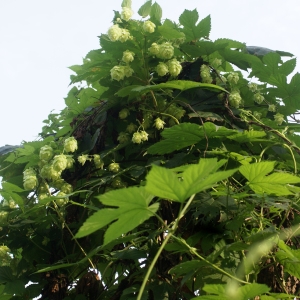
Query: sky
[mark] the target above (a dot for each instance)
(39, 40)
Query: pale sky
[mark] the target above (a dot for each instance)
(39, 39)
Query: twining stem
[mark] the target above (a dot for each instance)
(70, 231)
(169, 235)
(194, 252)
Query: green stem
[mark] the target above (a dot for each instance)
(292, 154)
(193, 251)
(164, 114)
(162, 246)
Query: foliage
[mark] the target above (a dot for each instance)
(172, 173)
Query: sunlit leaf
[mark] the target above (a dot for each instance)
(165, 183)
(260, 183)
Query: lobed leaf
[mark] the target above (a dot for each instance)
(132, 210)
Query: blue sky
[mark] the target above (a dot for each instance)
(40, 39)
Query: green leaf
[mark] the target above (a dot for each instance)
(188, 19)
(182, 85)
(16, 287)
(288, 67)
(204, 27)
(274, 184)
(133, 209)
(186, 134)
(9, 187)
(248, 136)
(251, 290)
(187, 267)
(168, 31)
(6, 274)
(127, 90)
(165, 183)
(126, 3)
(156, 12)
(289, 258)
(56, 267)
(145, 9)
(241, 60)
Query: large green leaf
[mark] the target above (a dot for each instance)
(156, 12)
(273, 184)
(186, 134)
(289, 258)
(182, 85)
(132, 210)
(168, 31)
(192, 31)
(165, 183)
(145, 9)
(248, 136)
(244, 292)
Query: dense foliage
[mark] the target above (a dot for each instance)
(172, 173)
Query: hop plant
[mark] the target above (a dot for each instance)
(162, 69)
(29, 179)
(144, 135)
(216, 63)
(124, 113)
(60, 162)
(149, 27)
(233, 78)
(66, 188)
(159, 123)
(61, 201)
(114, 167)
(48, 172)
(125, 35)
(126, 13)
(70, 161)
(114, 32)
(58, 183)
(117, 73)
(117, 182)
(257, 114)
(131, 128)
(136, 138)
(70, 144)
(123, 137)
(279, 118)
(258, 98)
(253, 87)
(205, 74)
(128, 71)
(98, 161)
(128, 56)
(3, 217)
(166, 51)
(177, 112)
(154, 49)
(42, 196)
(174, 67)
(235, 99)
(272, 108)
(46, 153)
(5, 258)
(83, 158)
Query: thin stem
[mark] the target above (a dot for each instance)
(292, 154)
(71, 233)
(162, 246)
(193, 251)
